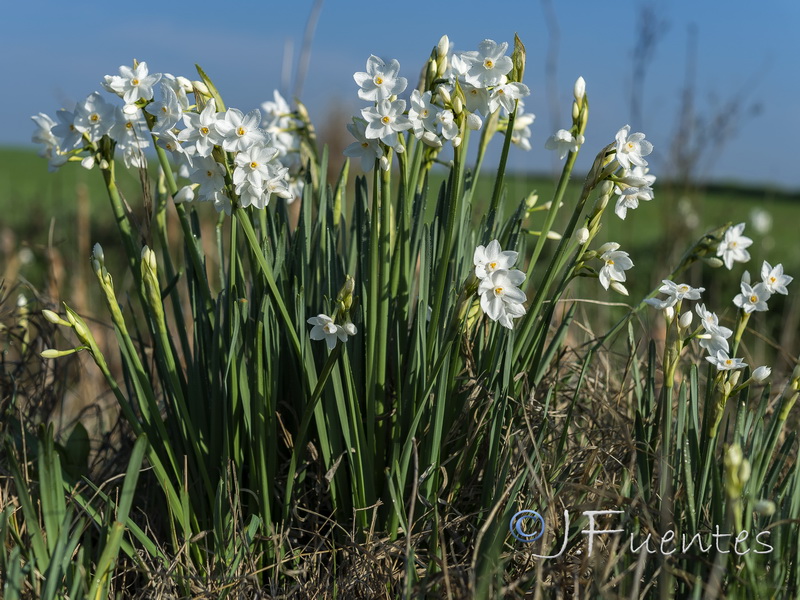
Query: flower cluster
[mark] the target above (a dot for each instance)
(155, 106)
(466, 87)
(501, 297)
(326, 328)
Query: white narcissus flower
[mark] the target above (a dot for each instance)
(615, 263)
(167, 111)
(201, 130)
(240, 131)
(94, 117)
(253, 165)
(716, 336)
(631, 148)
(211, 177)
(380, 80)
(753, 298)
(384, 120)
(504, 95)
(521, 134)
(563, 142)
(676, 292)
(65, 131)
(633, 187)
(476, 99)
(732, 247)
(723, 362)
(501, 298)
(325, 329)
(774, 279)
(132, 84)
(132, 136)
(488, 65)
(422, 113)
(367, 150)
(492, 258)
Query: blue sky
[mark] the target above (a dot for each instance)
(52, 54)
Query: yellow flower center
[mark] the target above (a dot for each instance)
(500, 91)
(241, 131)
(728, 362)
(772, 280)
(164, 109)
(683, 289)
(733, 244)
(378, 80)
(498, 290)
(365, 144)
(94, 117)
(129, 125)
(609, 262)
(753, 299)
(204, 130)
(386, 120)
(488, 63)
(209, 173)
(135, 81)
(493, 266)
(254, 165)
(631, 145)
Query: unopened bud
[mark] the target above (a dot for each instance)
(201, 88)
(149, 258)
(474, 121)
(54, 318)
(88, 162)
(619, 288)
(576, 111)
(579, 90)
(765, 508)
(582, 235)
(456, 141)
(458, 105)
(670, 313)
(606, 188)
(443, 47)
(98, 254)
(385, 164)
(185, 194)
(686, 319)
(761, 374)
(53, 353)
(184, 83)
(746, 277)
(349, 328)
(713, 262)
(553, 235)
(444, 94)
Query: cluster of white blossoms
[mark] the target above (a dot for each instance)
(324, 328)
(501, 298)
(256, 171)
(632, 182)
(475, 82)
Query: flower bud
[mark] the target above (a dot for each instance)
(53, 353)
(582, 235)
(104, 165)
(444, 94)
(713, 262)
(619, 288)
(456, 141)
(431, 139)
(606, 188)
(201, 88)
(474, 122)
(98, 254)
(579, 90)
(130, 109)
(531, 200)
(184, 83)
(88, 162)
(54, 318)
(443, 47)
(686, 319)
(185, 194)
(349, 328)
(761, 374)
(746, 277)
(670, 313)
(385, 164)
(765, 508)
(458, 105)
(576, 111)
